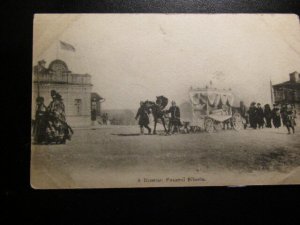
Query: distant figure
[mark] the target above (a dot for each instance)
(260, 116)
(288, 118)
(253, 115)
(105, 118)
(93, 116)
(268, 115)
(174, 122)
(276, 116)
(142, 114)
(40, 125)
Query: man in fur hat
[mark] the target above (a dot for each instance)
(175, 117)
(142, 115)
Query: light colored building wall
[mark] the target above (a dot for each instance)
(70, 95)
(75, 90)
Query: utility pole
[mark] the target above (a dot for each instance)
(272, 93)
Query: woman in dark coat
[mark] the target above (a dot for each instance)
(276, 117)
(40, 125)
(244, 114)
(260, 116)
(253, 115)
(142, 114)
(268, 115)
(60, 130)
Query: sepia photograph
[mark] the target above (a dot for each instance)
(165, 100)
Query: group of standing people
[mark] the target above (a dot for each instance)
(50, 122)
(174, 118)
(258, 117)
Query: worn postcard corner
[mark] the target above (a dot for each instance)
(165, 100)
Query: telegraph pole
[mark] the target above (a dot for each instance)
(272, 94)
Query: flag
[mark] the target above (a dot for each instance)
(66, 46)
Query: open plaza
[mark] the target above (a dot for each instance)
(114, 156)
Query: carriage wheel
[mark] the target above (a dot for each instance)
(209, 125)
(237, 121)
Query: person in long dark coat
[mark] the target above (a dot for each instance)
(244, 114)
(40, 125)
(142, 114)
(276, 116)
(175, 117)
(260, 116)
(253, 115)
(268, 115)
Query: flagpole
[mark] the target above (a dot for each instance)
(57, 47)
(271, 89)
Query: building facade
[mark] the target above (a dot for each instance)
(289, 91)
(75, 89)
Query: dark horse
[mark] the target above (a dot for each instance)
(157, 110)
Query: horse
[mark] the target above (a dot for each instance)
(157, 110)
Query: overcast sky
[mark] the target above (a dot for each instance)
(134, 57)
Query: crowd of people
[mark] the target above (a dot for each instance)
(50, 121)
(258, 117)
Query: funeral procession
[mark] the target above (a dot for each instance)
(212, 109)
(163, 111)
(67, 113)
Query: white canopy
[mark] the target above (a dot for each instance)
(213, 97)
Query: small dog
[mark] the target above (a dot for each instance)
(186, 127)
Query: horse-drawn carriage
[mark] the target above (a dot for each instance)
(212, 110)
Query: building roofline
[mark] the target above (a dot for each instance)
(283, 83)
(62, 83)
(96, 95)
